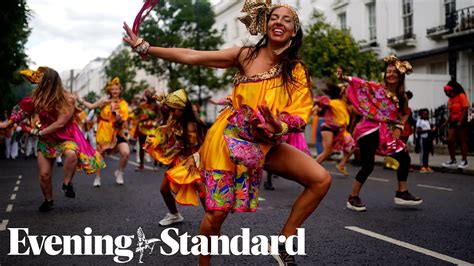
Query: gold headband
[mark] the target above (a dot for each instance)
(404, 67)
(33, 76)
(176, 99)
(256, 19)
(114, 81)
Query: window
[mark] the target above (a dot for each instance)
(440, 68)
(407, 17)
(372, 21)
(449, 10)
(342, 20)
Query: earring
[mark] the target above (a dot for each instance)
(281, 50)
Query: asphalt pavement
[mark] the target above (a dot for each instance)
(438, 232)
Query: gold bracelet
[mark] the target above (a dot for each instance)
(284, 130)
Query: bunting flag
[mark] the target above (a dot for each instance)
(147, 7)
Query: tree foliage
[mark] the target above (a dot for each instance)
(14, 34)
(185, 24)
(120, 65)
(326, 48)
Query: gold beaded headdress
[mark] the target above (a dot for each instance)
(176, 99)
(33, 76)
(256, 19)
(114, 81)
(404, 67)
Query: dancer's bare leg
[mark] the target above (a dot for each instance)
(45, 167)
(291, 163)
(124, 151)
(211, 226)
(328, 137)
(167, 196)
(70, 163)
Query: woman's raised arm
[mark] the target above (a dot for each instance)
(220, 59)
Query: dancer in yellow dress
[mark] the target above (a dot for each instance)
(271, 97)
(112, 127)
(334, 129)
(173, 143)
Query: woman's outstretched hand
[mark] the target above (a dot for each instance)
(131, 37)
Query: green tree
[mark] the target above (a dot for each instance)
(91, 97)
(186, 24)
(326, 48)
(121, 65)
(14, 34)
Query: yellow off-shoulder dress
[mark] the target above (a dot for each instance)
(109, 133)
(231, 157)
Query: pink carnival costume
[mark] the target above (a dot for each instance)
(67, 138)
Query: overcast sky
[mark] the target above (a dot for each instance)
(68, 34)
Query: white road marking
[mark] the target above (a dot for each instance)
(434, 187)
(131, 162)
(20, 177)
(379, 179)
(18, 182)
(3, 225)
(13, 197)
(15, 188)
(407, 245)
(261, 199)
(9, 208)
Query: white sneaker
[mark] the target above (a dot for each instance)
(97, 181)
(464, 164)
(171, 219)
(450, 164)
(119, 177)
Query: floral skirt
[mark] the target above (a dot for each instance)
(89, 164)
(231, 166)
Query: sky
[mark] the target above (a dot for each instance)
(69, 34)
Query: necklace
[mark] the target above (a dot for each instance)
(394, 98)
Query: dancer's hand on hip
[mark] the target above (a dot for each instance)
(272, 123)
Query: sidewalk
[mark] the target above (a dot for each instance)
(436, 162)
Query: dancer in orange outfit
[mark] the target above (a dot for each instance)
(148, 116)
(112, 127)
(173, 143)
(271, 98)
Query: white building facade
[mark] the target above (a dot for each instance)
(92, 77)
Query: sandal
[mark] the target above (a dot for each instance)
(342, 169)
